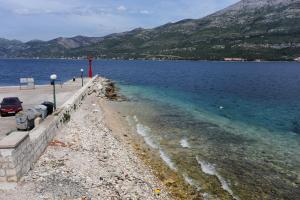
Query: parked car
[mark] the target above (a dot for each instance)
(10, 106)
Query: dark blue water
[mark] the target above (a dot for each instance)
(266, 94)
(240, 121)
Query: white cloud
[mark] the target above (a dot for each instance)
(27, 7)
(28, 19)
(145, 12)
(121, 8)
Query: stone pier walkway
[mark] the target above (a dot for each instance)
(85, 161)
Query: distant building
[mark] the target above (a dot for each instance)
(297, 59)
(234, 59)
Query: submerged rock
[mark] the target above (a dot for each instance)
(296, 127)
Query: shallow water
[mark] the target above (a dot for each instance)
(249, 143)
(249, 162)
(223, 126)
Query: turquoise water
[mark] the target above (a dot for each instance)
(249, 160)
(232, 127)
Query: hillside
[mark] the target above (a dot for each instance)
(47, 49)
(251, 29)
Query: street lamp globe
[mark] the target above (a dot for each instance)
(81, 70)
(53, 77)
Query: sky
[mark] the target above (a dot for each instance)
(47, 19)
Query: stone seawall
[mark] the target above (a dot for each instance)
(20, 150)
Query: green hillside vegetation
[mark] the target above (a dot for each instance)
(250, 29)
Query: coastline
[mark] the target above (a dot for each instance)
(87, 160)
(175, 184)
(108, 121)
(161, 60)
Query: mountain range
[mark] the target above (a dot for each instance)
(249, 29)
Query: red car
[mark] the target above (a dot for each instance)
(10, 106)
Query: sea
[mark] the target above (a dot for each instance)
(230, 126)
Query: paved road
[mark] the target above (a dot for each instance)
(34, 97)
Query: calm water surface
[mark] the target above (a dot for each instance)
(233, 127)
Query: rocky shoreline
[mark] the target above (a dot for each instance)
(87, 161)
(107, 89)
(97, 155)
(174, 182)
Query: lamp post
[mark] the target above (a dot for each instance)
(53, 77)
(81, 70)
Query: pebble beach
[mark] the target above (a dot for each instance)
(87, 160)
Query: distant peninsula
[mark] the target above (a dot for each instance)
(248, 30)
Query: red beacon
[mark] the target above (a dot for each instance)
(90, 59)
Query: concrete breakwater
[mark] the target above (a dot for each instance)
(20, 150)
(84, 158)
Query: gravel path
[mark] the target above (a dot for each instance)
(86, 161)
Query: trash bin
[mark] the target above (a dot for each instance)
(42, 109)
(32, 113)
(49, 106)
(25, 119)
